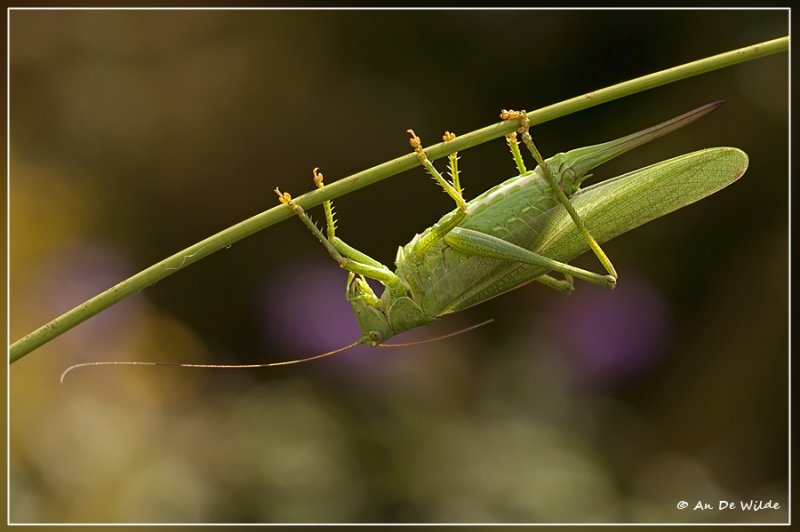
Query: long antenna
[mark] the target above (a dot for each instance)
(437, 338)
(264, 365)
(207, 366)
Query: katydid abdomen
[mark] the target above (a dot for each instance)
(447, 281)
(473, 260)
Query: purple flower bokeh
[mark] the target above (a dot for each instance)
(84, 271)
(304, 310)
(610, 336)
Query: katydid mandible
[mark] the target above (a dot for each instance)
(519, 231)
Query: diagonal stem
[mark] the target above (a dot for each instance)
(270, 217)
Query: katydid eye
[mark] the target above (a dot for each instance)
(375, 336)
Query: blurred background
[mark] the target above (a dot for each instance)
(137, 133)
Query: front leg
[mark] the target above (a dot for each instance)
(347, 257)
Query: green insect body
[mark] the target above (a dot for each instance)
(443, 280)
(512, 234)
(517, 231)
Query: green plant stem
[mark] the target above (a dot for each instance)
(228, 236)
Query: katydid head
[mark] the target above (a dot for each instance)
(368, 311)
(373, 323)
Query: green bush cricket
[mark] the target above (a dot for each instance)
(512, 234)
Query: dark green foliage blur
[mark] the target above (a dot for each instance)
(137, 133)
